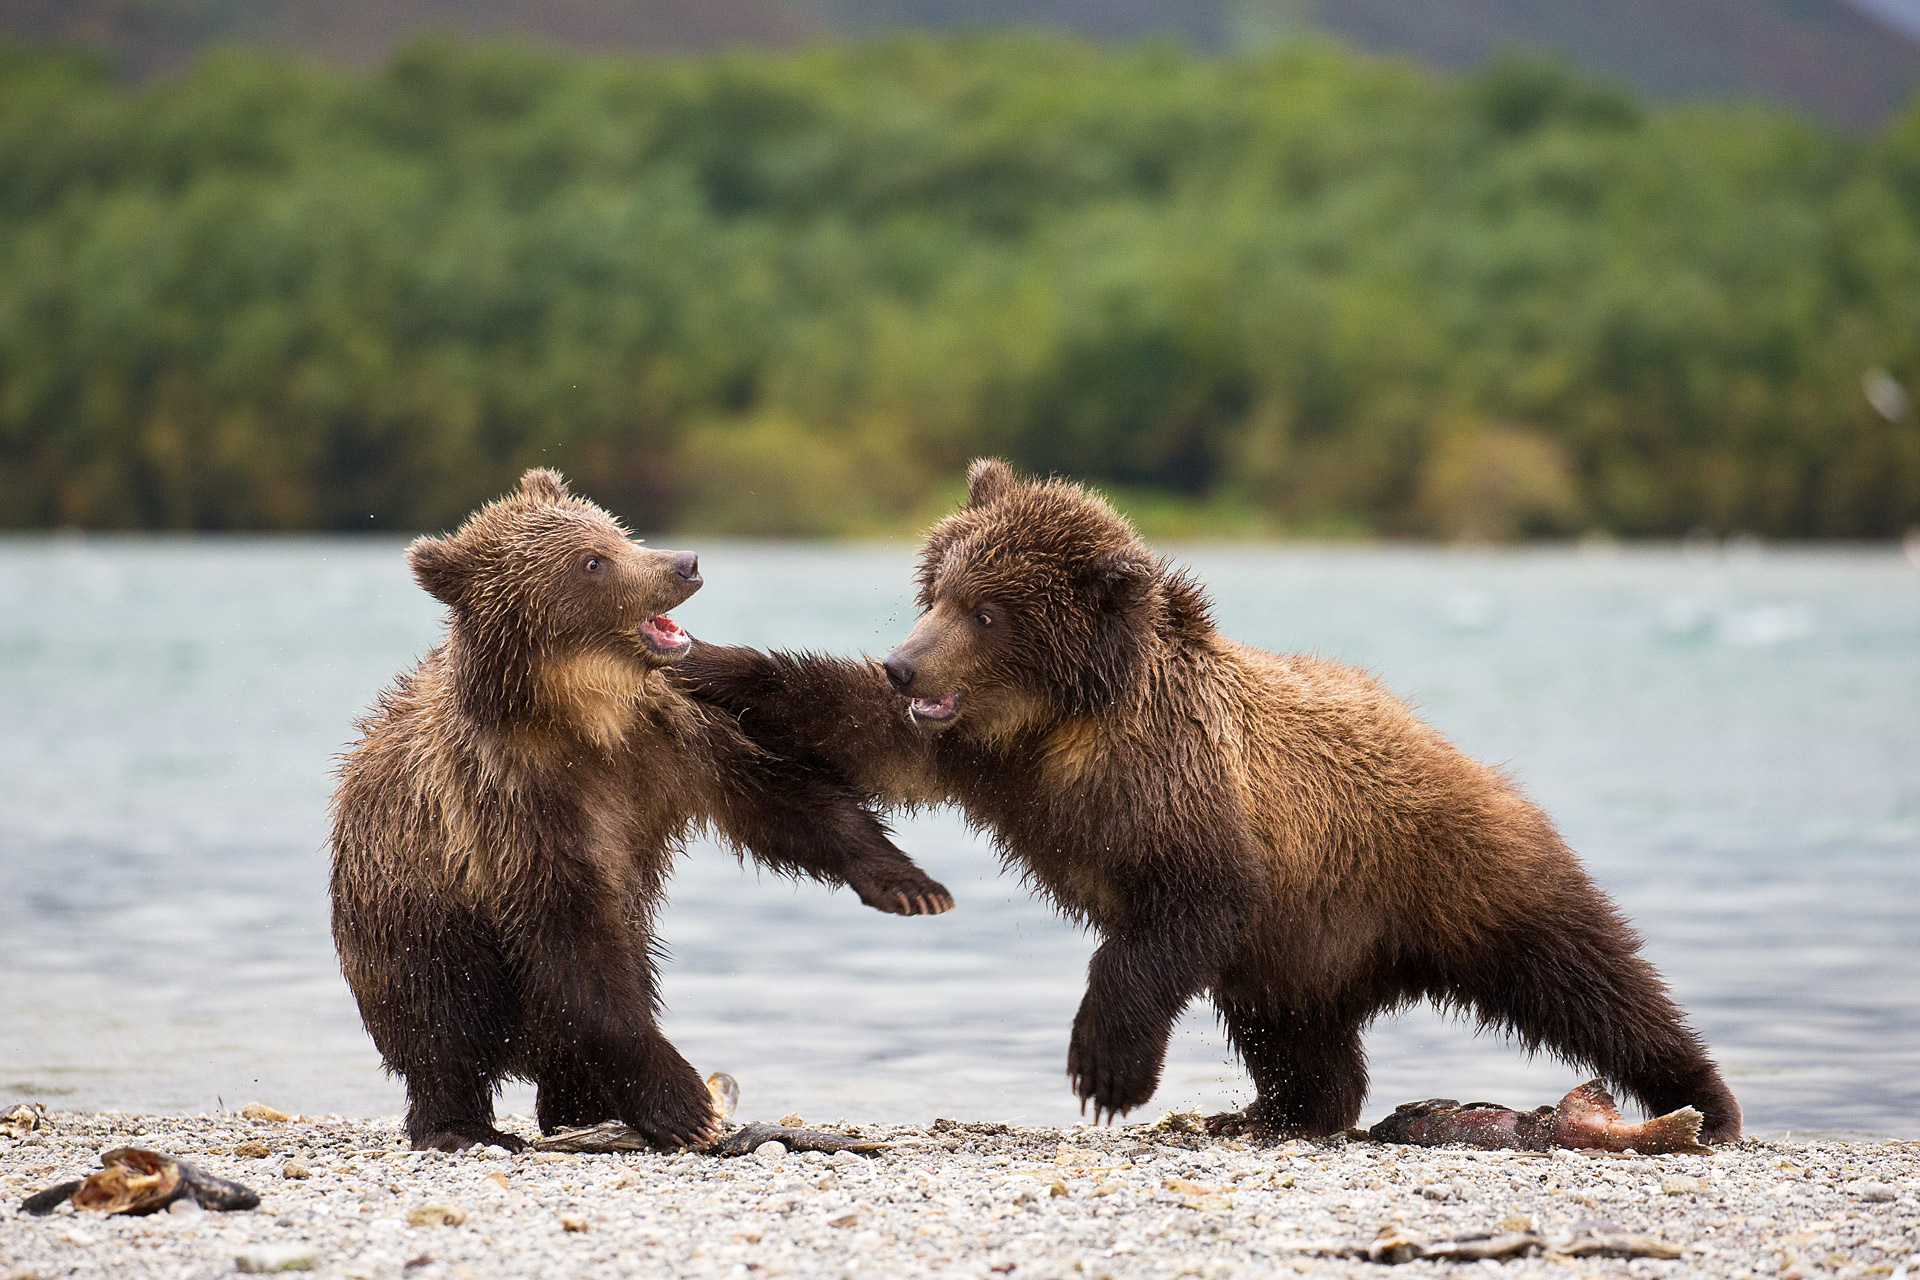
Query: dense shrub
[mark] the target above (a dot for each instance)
(795, 292)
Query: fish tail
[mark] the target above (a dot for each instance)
(1675, 1131)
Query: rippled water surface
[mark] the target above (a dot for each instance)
(1732, 742)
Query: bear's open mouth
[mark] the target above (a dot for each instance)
(664, 637)
(936, 710)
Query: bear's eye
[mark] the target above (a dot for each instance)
(983, 617)
(593, 564)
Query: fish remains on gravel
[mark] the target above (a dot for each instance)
(136, 1181)
(1586, 1119)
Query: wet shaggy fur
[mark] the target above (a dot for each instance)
(1273, 830)
(505, 825)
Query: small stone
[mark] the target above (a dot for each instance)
(827, 1182)
(570, 1223)
(1437, 1191)
(501, 1178)
(436, 1215)
(1105, 1189)
(1681, 1185)
(294, 1169)
(1186, 1188)
(267, 1258)
(770, 1150)
(1517, 1224)
(253, 1150)
(1873, 1192)
(791, 1120)
(844, 1220)
(1058, 1188)
(1206, 1202)
(846, 1159)
(186, 1207)
(261, 1111)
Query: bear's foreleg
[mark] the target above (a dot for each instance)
(797, 818)
(1171, 949)
(836, 713)
(1309, 1069)
(1572, 982)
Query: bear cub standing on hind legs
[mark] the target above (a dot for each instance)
(504, 828)
(1274, 830)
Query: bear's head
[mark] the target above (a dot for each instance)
(542, 577)
(1038, 603)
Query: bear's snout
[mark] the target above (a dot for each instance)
(686, 567)
(900, 672)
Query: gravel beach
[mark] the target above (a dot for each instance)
(344, 1197)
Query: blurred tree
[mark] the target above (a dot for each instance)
(793, 293)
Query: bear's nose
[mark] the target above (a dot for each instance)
(686, 567)
(899, 673)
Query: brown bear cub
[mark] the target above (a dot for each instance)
(504, 828)
(1274, 830)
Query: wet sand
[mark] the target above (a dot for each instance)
(344, 1197)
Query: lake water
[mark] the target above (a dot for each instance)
(1732, 741)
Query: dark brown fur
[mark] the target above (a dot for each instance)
(504, 828)
(1275, 830)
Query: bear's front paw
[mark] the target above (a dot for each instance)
(1114, 1072)
(908, 891)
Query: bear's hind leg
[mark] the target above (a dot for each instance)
(571, 1096)
(590, 999)
(1309, 1070)
(1577, 987)
(442, 1010)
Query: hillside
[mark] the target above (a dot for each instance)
(144, 36)
(1838, 58)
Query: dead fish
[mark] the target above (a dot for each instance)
(744, 1140)
(23, 1119)
(135, 1181)
(725, 1092)
(1586, 1119)
(613, 1136)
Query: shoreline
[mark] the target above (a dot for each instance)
(960, 1199)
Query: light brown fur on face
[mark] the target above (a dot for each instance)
(504, 828)
(1273, 830)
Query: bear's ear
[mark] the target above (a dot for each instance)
(441, 566)
(988, 480)
(544, 484)
(1122, 579)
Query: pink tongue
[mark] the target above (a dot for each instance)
(666, 627)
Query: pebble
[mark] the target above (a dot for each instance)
(957, 1200)
(268, 1258)
(770, 1150)
(436, 1215)
(261, 1111)
(295, 1170)
(1873, 1192)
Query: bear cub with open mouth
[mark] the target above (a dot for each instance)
(1273, 830)
(504, 828)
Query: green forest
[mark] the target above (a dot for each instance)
(1308, 293)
